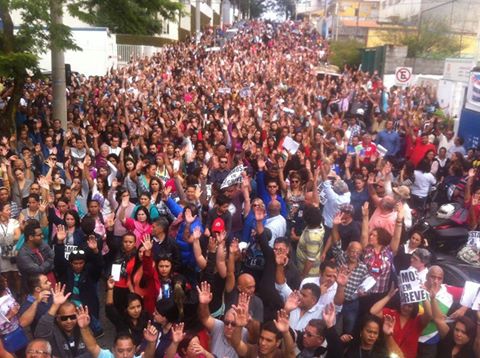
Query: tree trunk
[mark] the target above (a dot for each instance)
(8, 123)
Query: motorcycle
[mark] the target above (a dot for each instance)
(443, 233)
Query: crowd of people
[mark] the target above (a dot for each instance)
(232, 202)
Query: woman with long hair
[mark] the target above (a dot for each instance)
(132, 319)
(140, 225)
(409, 324)
(375, 339)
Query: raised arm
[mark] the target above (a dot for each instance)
(364, 236)
(438, 316)
(204, 298)
(83, 321)
(377, 308)
(397, 232)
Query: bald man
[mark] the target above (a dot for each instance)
(349, 258)
(276, 223)
(445, 296)
(245, 284)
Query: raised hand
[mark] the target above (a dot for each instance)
(292, 302)
(261, 163)
(282, 323)
(177, 333)
(204, 293)
(58, 294)
(150, 333)
(197, 233)
(329, 314)
(92, 244)
(110, 283)
(365, 211)
(259, 213)
(400, 211)
(61, 233)
(337, 220)
(342, 276)
(43, 206)
(388, 324)
(83, 318)
(234, 249)
(244, 300)
(189, 218)
(281, 258)
(147, 242)
(241, 316)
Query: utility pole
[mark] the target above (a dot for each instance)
(58, 69)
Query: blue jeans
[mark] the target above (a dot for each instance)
(348, 317)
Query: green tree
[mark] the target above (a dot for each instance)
(345, 52)
(138, 17)
(434, 39)
(285, 7)
(37, 32)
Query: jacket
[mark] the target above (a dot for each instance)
(88, 278)
(29, 263)
(48, 329)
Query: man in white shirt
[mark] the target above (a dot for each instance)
(330, 283)
(275, 222)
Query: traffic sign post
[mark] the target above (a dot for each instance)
(403, 76)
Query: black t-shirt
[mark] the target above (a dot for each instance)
(349, 233)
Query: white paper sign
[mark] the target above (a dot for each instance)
(381, 150)
(234, 177)
(366, 285)
(116, 270)
(470, 293)
(68, 250)
(410, 287)
(474, 239)
(290, 145)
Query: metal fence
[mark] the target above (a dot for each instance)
(126, 52)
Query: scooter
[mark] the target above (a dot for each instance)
(442, 233)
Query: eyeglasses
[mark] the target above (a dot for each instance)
(295, 181)
(272, 187)
(35, 353)
(230, 323)
(71, 317)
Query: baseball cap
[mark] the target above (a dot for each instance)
(218, 225)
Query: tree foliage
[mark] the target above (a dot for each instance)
(37, 32)
(345, 52)
(284, 7)
(434, 39)
(138, 17)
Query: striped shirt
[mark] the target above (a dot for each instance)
(357, 276)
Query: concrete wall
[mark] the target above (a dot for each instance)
(425, 66)
(98, 55)
(394, 57)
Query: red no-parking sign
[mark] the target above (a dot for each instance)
(403, 76)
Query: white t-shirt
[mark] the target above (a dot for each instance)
(423, 183)
(105, 353)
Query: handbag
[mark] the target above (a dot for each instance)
(15, 340)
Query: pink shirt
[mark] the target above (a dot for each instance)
(385, 221)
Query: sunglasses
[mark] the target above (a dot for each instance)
(81, 252)
(272, 186)
(72, 317)
(223, 162)
(230, 323)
